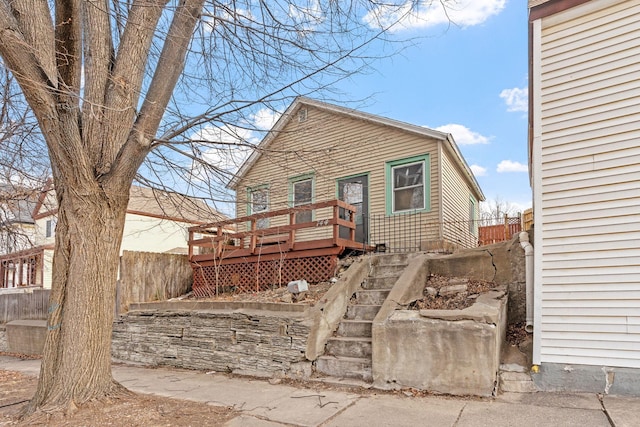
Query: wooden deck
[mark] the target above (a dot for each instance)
(264, 256)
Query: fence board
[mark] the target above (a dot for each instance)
(146, 276)
(24, 305)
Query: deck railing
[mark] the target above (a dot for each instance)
(23, 268)
(221, 238)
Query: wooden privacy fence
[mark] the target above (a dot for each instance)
(26, 304)
(146, 276)
(489, 234)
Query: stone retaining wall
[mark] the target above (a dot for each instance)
(3, 338)
(251, 342)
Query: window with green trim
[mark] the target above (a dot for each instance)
(473, 228)
(301, 193)
(408, 185)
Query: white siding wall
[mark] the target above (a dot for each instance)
(587, 168)
(141, 233)
(149, 234)
(47, 268)
(455, 205)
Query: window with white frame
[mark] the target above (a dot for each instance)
(408, 187)
(51, 227)
(302, 194)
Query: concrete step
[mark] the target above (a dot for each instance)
(349, 347)
(345, 367)
(387, 270)
(371, 296)
(362, 311)
(516, 382)
(355, 328)
(384, 259)
(379, 282)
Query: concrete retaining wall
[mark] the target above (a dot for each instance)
(26, 336)
(502, 263)
(243, 341)
(446, 351)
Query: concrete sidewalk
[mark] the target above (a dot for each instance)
(269, 405)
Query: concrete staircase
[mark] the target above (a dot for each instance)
(348, 352)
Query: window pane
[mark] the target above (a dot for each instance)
(409, 199)
(260, 203)
(302, 195)
(407, 176)
(352, 193)
(408, 187)
(259, 200)
(302, 192)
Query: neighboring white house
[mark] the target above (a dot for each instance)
(156, 221)
(17, 227)
(585, 173)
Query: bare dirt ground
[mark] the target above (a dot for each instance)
(278, 294)
(129, 410)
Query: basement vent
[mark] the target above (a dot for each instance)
(302, 115)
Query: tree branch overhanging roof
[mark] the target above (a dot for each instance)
(299, 102)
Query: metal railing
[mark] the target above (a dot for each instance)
(412, 232)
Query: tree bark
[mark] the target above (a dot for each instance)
(76, 366)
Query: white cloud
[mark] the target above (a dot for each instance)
(226, 155)
(463, 13)
(265, 118)
(511, 166)
(209, 18)
(478, 170)
(233, 143)
(306, 18)
(517, 99)
(463, 135)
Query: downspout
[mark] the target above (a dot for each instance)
(528, 260)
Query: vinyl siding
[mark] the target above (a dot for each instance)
(333, 146)
(589, 186)
(455, 204)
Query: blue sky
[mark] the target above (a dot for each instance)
(467, 77)
(469, 80)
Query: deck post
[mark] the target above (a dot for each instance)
(352, 220)
(292, 231)
(336, 226)
(253, 239)
(507, 235)
(220, 245)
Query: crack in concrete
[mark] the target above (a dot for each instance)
(495, 269)
(604, 410)
(334, 416)
(455, 423)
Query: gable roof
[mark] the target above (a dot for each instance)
(299, 102)
(147, 202)
(17, 204)
(170, 205)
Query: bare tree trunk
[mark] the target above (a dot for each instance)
(76, 366)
